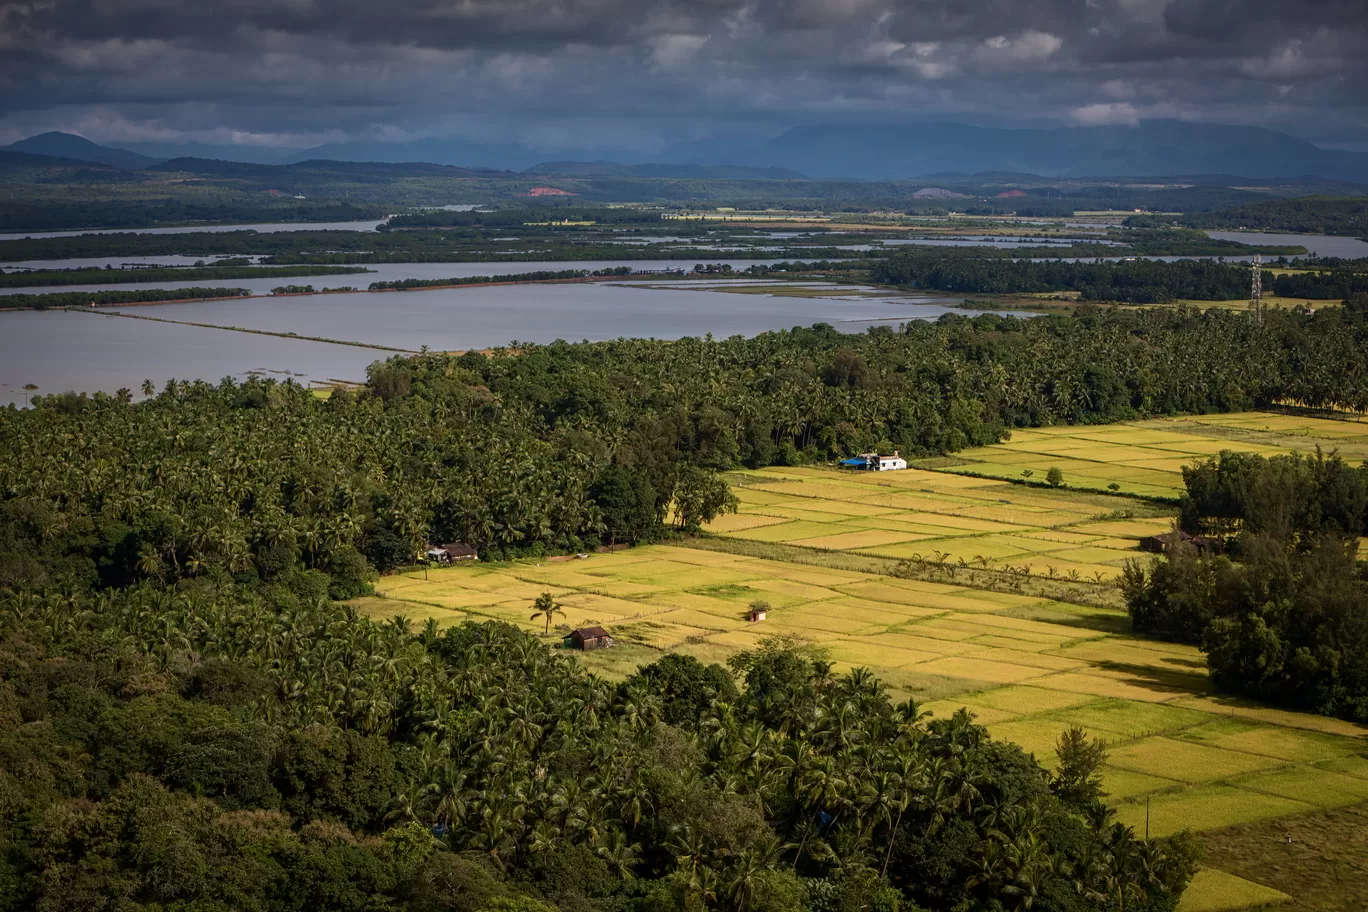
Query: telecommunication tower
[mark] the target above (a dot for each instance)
(1256, 290)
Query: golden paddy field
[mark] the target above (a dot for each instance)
(1027, 666)
(918, 514)
(1147, 457)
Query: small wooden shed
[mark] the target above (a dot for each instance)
(589, 638)
(445, 554)
(1161, 543)
(755, 615)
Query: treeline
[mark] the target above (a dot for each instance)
(1324, 285)
(408, 246)
(1303, 215)
(558, 447)
(784, 266)
(221, 748)
(1283, 616)
(1189, 243)
(99, 276)
(1134, 282)
(539, 276)
(101, 298)
(43, 215)
(518, 217)
(1138, 282)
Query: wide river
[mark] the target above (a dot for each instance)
(101, 351)
(60, 350)
(1319, 244)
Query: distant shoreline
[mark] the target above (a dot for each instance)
(305, 294)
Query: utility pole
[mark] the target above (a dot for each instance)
(1256, 290)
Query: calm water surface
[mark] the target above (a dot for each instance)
(60, 350)
(1318, 244)
(93, 351)
(456, 319)
(391, 272)
(269, 228)
(116, 262)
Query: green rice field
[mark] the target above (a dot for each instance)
(918, 514)
(1147, 457)
(1027, 666)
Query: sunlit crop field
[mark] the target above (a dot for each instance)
(937, 516)
(1217, 891)
(1147, 457)
(1027, 667)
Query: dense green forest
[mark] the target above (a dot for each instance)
(1283, 616)
(221, 748)
(102, 298)
(517, 452)
(1139, 282)
(1326, 284)
(1305, 215)
(109, 276)
(188, 721)
(1135, 282)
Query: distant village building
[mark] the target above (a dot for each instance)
(755, 615)
(589, 638)
(876, 462)
(1158, 544)
(445, 554)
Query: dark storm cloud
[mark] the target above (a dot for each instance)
(300, 70)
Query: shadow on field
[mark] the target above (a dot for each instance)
(1319, 859)
(1160, 680)
(1102, 622)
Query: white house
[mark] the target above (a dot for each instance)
(891, 463)
(876, 462)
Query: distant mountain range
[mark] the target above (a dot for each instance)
(683, 171)
(1148, 149)
(461, 152)
(256, 155)
(78, 148)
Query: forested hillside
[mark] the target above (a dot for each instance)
(215, 749)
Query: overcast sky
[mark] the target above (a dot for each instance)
(641, 73)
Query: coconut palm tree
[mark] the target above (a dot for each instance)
(547, 608)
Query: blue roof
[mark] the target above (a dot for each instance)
(856, 461)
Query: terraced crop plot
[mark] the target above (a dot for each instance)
(1147, 457)
(921, 514)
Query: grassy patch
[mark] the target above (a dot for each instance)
(1320, 860)
(1206, 808)
(1217, 891)
(1146, 458)
(1029, 660)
